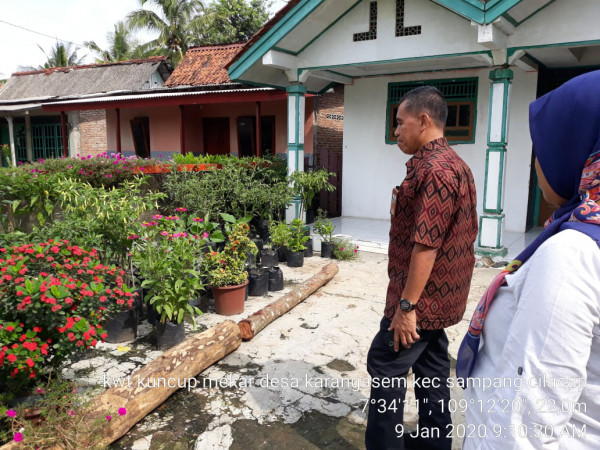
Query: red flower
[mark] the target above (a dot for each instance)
(9, 328)
(30, 362)
(37, 329)
(11, 357)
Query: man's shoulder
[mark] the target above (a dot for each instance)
(445, 162)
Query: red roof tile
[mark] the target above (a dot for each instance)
(204, 65)
(90, 66)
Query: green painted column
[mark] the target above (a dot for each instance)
(295, 148)
(491, 222)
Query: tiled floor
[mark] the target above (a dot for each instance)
(373, 235)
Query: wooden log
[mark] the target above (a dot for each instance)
(148, 387)
(253, 324)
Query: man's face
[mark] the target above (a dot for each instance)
(408, 131)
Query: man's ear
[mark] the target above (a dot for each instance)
(425, 121)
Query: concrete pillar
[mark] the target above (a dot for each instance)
(295, 149)
(28, 144)
(491, 222)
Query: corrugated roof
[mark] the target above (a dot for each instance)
(163, 94)
(81, 80)
(204, 65)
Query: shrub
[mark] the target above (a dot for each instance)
(226, 268)
(59, 417)
(166, 253)
(344, 249)
(54, 297)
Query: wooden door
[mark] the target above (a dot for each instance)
(332, 201)
(215, 135)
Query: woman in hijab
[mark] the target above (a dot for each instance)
(530, 362)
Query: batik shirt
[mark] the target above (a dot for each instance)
(436, 207)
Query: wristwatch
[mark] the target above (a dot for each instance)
(406, 305)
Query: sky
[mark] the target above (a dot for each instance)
(76, 21)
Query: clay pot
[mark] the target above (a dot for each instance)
(229, 300)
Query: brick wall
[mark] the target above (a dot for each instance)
(92, 129)
(329, 122)
(329, 139)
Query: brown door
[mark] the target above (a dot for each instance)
(215, 131)
(140, 129)
(332, 201)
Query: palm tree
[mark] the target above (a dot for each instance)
(61, 55)
(172, 25)
(122, 46)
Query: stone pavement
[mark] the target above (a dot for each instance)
(299, 384)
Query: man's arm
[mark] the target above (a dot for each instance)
(405, 323)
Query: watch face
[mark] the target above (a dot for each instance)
(405, 305)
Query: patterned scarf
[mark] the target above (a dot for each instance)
(581, 211)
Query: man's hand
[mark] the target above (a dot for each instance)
(404, 325)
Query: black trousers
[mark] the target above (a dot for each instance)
(429, 360)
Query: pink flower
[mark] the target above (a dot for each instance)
(109, 418)
(157, 216)
(108, 175)
(132, 237)
(70, 167)
(70, 412)
(18, 437)
(355, 250)
(181, 209)
(342, 249)
(197, 219)
(164, 233)
(205, 235)
(11, 413)
(122, 411)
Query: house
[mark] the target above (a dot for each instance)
(199, 110)
(34, 133)
(489, 58)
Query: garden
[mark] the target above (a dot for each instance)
(93, 247)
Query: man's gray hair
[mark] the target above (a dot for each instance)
(429, 100)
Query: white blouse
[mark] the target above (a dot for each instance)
(536, 382)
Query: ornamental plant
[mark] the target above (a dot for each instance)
(344, 249)
(280, 233)
(54, 298)
(226, 268)
(165, 253)
(324, 227)
(307, 184)
(297, 237)
(59, 417)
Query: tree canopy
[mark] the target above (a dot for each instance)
(172, 23)
(122, 46)
(230, 21)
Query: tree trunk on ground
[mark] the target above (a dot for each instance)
(252, 325)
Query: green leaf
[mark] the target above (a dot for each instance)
(228, 218)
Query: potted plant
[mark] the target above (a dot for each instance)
(185, 163)
(307, 184)
(166, 256)
(226, 273)
(324, 228)
(280, 235)
(295, 245)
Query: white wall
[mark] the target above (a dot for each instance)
(372, 168)
(336, 45)
(560, 21)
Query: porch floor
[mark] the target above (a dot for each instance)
(372, 235)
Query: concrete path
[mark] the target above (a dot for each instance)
(300, 384)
